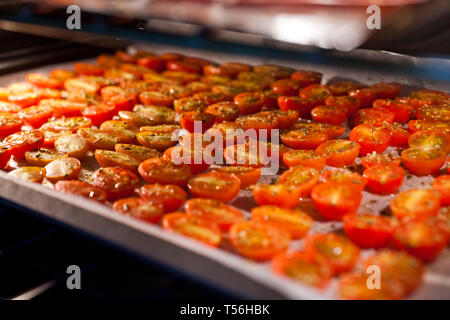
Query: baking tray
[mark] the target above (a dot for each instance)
(217, 267)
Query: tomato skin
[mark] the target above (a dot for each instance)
(422, 239)
(327, 114)
(5, 155)
(442, 184)
(98, 113)
(416, 204)
(367, 230)
(138, 208)
(324, 247)
(215, 185)
(170, 196)
(214, 211)
(370, 138)
(307, 158)
(422, 163)
(402, 111)
(272, 241)
(343, 177)
(384, 179)
(117, 182)
(247, 175)
(290, 264)
(306, 77)
(180, 223)
(334, 200)
(303, 139)
(302, 178)
(153, 63)
(336, 155)
(303, 106)
(279, 195)
(164, 171)
(23, 141)
(399, 135)
(189, 119)
(83, 189)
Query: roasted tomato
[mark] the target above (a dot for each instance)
(190, 156)
(295, 103)
(442, 184)
(258, 241)
(223, 111)
(193, 227)
(139, 209)
(5, 155)
(286, 87)
(42, 157)
(368, 230)
(249, 102)
(9, 107)
(117, 182)
(435, 96)
(164, 171)
(430, 140)
(63, 169)
(328, 114)
(440, 112)
(294, 221)
(275, 71)
(350, 104)
(385, 90)
(370, 138)
(36, 116)
(9, 124)
(214, 211)
(73, 145)
(402, 111)
(108, 158)
(262, 122)
(306, 158)
(376, 117)
(98, 113)
(422, 162)
(97, 139)
(152, 62)
(215, 185)
(334, 200)
(399, 135)
(302, 178)
(278, 194)
(303, 139)
(419, 125)
(422, 239)
(135, 119)
(170, 196)
(376, 159)
(366, 96)
(343, 177)
(120, 129)
(62, 107)
(83, 189)
(62, 74)
(196, 121)
(306, 77)
(341, 88)
(137, 152)
(31, 174)
(339, 152)
(247, 175)
(156, 98)
(88, 69)
(416, 204)
(384, 179)
(315, 93)
(24, 141)
(336, 251)
(189, 104)
(157, 114)
(67, 124)
(333, 131)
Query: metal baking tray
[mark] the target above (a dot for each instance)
(217, 267)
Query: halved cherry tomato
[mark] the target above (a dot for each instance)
(247, 175)
(154, 63)
(430, 140)
(230, 69)
(439, 112)
(341, 88)
(373, 116)
(63, 169)
(41, 80)
(399, 135)
(338, 152)
(107, 158)
(294, 221)
(88, 69)
(170, 196)
(306, 77)
(184, 66)
(368, 230)
(137, 152)
(36, 116)
(302, 178)
(275, 71)
(444, 221)
(195, 121)
(31, 174)
(281, 195)
(306, 158)
(376, 159)
(295, 103)
(9, 124)
(189, 104)
(402, 111)
(62, 74)
(442, 184)
(297, 266)
(164, 171)
(155, 139)
(416, 204)
(50, 136)
(62, 107)
(210, 98)
(333, 131)
(384, 179)
(194, 227)
(223, 111)
(140, 209)
(435, 96)
(98, 113)
(419, 125)
(327, 114)
(422, 239)
(334, 200)
(120, 129)
(157, 114)
(262, 122)
(214, 211)
(303, 139)
(67, 124)
(23, 141)
(156, 98)
(97, 139)
(5, 155)
(81, 188)
(73, 145)
(423, 162)
(215, 185)
(370, 138)
(315, 93)
(385, 90)
(343, 177)
(9, 107)
(351, 104)
(366, 96)
(190, 156)
(24, 99)
(286, 87)
(258, 241)
(335, 250)
(249, 102)
(42, 157)
(117, 182)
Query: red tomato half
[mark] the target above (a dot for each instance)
(81, 188)
(170, 196)
(338, 152)
(117, 182)
(24, 141)
(280, 195)
(384, 179)
(164, 171)
(302, 178)
(215, 185)
(368, 230)
(370, 138)
(442, 184)
(416, 204)
(402, 111)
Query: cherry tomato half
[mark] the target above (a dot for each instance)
(368, 230)
(117, 182)
(214, 185)
(416, 204)
(384, 179)
(170, 196)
